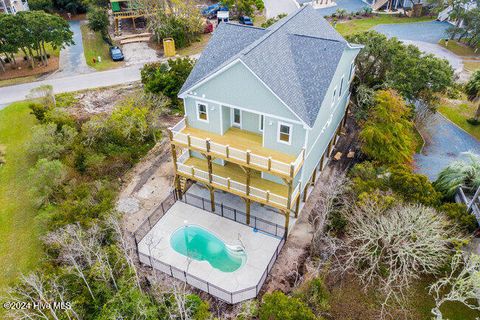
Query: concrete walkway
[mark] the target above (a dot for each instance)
(445, 141)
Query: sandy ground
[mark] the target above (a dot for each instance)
(148, 184)
(139, 52)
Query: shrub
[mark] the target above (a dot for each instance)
(457, 212)
(50, 143)
(278, 306)
(271, 21)
(387, 135)
(182, 29)
(38, 110)
(167, 78)
(315, 294)
(46, 177)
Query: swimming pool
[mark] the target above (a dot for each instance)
(199, 244)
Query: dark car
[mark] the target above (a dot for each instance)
(246, 21)
(211, 11)
(116, 54)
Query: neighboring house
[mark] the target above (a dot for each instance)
(392, 4)
(445, 14)
(263, 109)
(13, 6)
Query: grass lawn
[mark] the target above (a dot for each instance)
(459, 48)
(458, 113)
(196, 47)
(360, 25)
(14, 81)
(471, 65)
(349, 301)
(93, 47)
(20, 248)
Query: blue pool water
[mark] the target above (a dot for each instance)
(199, 244)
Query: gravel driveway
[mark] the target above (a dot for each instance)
(444, 143)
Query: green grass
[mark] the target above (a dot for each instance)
(458, 113)
(196, 47)
(94, 47)
(419, 142)
(20, 249)
(14, 81)
(459, 48)
(361, 25)
(471, 65)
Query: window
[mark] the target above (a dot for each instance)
(334, 96)
(341, 87)
(260, 126)
(284, 133)
(202, 112)
(237, 117)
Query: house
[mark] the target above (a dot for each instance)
(394, 4)
(263, 109)
(13, 6)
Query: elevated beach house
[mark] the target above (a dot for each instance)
(263, 109)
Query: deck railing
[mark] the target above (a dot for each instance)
(240, 188)
(244, 156)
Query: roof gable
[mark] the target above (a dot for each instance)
(296, 58)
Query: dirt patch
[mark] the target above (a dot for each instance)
(149, 183)
(22, 69)
(92, 102)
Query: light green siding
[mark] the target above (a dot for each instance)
(250, 122)
(329, 117)
(225, 118)
(271, 135)
(214, 116)
(238, 87)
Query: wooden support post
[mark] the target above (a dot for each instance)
(116, 26)
(269, 164)
(329, 150)
(297, 206)
(212, 198)
(321, 162)
(178, 186)
(344, 120)
(247, 209)
(305, 191)
(209, 161)
(174, 151)
(287, 220)
(314, 177)
(289, 196)
(189, 144)
(133, 22)
(227, 151)
(247, 183)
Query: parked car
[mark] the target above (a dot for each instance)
(211, 11)
(116, 54)
(246, 21)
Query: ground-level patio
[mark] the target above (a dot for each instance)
(244, 283)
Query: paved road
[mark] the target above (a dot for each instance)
(68, 84)
(430, 31)
(444, 144)
(72, 59)
(275, 7)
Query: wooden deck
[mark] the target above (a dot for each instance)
(242, 140)
(233, 171)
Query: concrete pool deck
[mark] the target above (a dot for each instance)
(232, 287)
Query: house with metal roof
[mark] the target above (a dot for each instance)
(263, 110)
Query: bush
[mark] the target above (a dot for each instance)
(46, 176)
(315, 294)
(457, 212)
(278, 306)
(49, 142)
(39, 110)
(182, 29)
(168, 78)
(271, 21)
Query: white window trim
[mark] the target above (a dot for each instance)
(197, 110)
(232, 118)
(289, 136)
(341, 86)
(334, 96)
(261, 124)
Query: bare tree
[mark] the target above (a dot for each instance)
(36, 290)
(330, 198)
(392, 247)
(461, 284)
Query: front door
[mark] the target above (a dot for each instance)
(237, 118)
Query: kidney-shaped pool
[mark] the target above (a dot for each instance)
(200, 244)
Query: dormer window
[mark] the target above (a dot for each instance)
(202, 112)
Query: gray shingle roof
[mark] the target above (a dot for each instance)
(296, 58)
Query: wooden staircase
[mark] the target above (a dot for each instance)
(183, 184)
(378, 4)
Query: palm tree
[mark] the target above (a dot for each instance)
(463, 173)
(472, 88)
